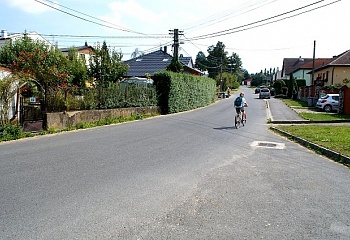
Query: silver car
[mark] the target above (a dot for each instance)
(328, 102)
(264, 93)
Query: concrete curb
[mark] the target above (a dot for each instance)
(307, 121)
(337, 157)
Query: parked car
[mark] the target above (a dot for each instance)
(257, 90)
(264, 93)
(328, 102)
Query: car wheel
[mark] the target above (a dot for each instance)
(327, 108)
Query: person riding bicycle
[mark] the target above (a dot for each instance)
(239, 104)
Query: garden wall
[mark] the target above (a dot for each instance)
(62, 120)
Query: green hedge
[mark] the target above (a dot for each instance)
(181, 92)
(113, 95)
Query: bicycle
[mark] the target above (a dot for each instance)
(238, 119)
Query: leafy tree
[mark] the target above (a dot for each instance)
(246, 74)
(235, 63)
(105, 65)
(201, 61)
(35, 60)
(227, 80)
(217, 59)
(77, 68)
(175, 65)
(278, 85)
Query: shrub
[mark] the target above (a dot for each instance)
(10, 132)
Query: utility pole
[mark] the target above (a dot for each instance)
(313, 65)
(176, 44)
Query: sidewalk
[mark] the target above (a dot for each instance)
(279, 112)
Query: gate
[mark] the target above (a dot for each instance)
(31, 116)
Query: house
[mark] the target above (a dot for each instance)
(155, 62)
(303, 72)
(84, 52)
(290, 65)
(5, 37)
(5, 72)
(333, 72)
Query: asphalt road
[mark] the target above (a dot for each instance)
(183, 176)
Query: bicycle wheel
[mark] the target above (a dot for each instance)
(237, 121)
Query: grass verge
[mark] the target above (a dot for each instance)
(323, 116)
(294, 103)
(14, 132)
(335, 138)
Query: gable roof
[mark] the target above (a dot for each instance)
(292, 64)
(80, 48)
(341, 60)
(155, 62)
(319, 62)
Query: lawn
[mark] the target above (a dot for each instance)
(323, 116)
(336, 138)
(294, 103)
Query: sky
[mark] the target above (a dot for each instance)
(261, 32)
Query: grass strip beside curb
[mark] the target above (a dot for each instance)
(319, 149)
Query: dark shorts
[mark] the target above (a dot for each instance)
(239, 110)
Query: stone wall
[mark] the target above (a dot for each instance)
(62, 120)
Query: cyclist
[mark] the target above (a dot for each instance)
(239, 104)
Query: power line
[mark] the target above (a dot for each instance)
(217, 20)
(110, 25)
(231, 30)
(105, 37)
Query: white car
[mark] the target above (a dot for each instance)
(328, 102)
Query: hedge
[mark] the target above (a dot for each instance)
(179, 92)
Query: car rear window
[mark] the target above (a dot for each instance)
(265, 90)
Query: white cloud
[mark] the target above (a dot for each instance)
(132, 14)
(28, 6)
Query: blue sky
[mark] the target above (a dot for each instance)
(143, 24)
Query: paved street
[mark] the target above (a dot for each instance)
(186, 176)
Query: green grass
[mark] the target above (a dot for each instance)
(323, 116)
(336, 138)
(294, 103)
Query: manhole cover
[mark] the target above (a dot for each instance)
(264, 144)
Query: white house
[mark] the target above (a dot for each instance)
(5, 72)
(5, 37)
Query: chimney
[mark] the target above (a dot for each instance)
(165, 49)
(3, 34)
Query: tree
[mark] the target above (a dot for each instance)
(235, 63)
(77, 68)
(35, 60)
(175, 65)
(106, 66)
(217, 59)
(227, 80)
(201, 61)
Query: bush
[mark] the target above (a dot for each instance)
(10, 132)
(281, 96)
(113, 95)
